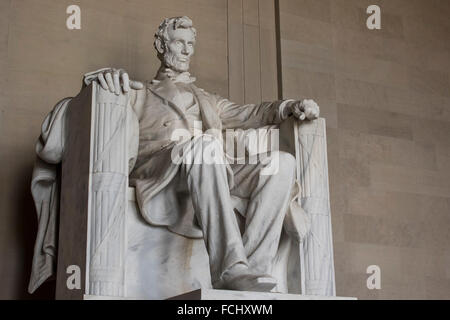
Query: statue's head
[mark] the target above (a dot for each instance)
(175, 41)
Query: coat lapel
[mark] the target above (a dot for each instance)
(210, 116)
(168, 91)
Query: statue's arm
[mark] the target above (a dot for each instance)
(249, 116)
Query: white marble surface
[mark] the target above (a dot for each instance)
(107, 194)
(159, 263)
(170, 104)
(213, 294)
(129, 257)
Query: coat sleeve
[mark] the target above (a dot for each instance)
(250, 116)
(45, 192)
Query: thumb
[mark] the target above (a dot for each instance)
(136, 85)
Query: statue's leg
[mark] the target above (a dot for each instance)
(208, 185)
(269, 194)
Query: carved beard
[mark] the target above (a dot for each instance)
(171, 61)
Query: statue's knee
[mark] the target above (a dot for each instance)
(279, 164)
(287, 159)
(286, 164)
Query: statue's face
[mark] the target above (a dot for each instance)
(180, 49)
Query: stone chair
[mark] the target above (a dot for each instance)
(123, 257)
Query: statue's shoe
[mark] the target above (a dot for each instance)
(240, 277)
(251, 283)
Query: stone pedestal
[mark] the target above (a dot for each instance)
(212, 294)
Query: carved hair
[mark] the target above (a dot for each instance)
(162, 35)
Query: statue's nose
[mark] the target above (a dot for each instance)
(186, 50)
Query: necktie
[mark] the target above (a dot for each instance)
(184, 77)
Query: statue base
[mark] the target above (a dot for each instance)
(213, 294)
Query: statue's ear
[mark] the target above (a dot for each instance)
(159, 45)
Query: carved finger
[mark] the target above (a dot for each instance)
(116, 79)
(125, 81)
(297, 110)
(102, 81)
(110, 81)
(136, 85)
(303, 104)
(302, 116)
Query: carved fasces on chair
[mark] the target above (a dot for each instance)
(106, 251)
(318, 245)
(310, 148)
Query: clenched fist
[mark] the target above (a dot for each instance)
(304, 109)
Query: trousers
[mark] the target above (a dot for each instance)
(264, 182)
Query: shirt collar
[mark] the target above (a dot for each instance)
(164, 73)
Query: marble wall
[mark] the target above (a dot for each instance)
(386, 97)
